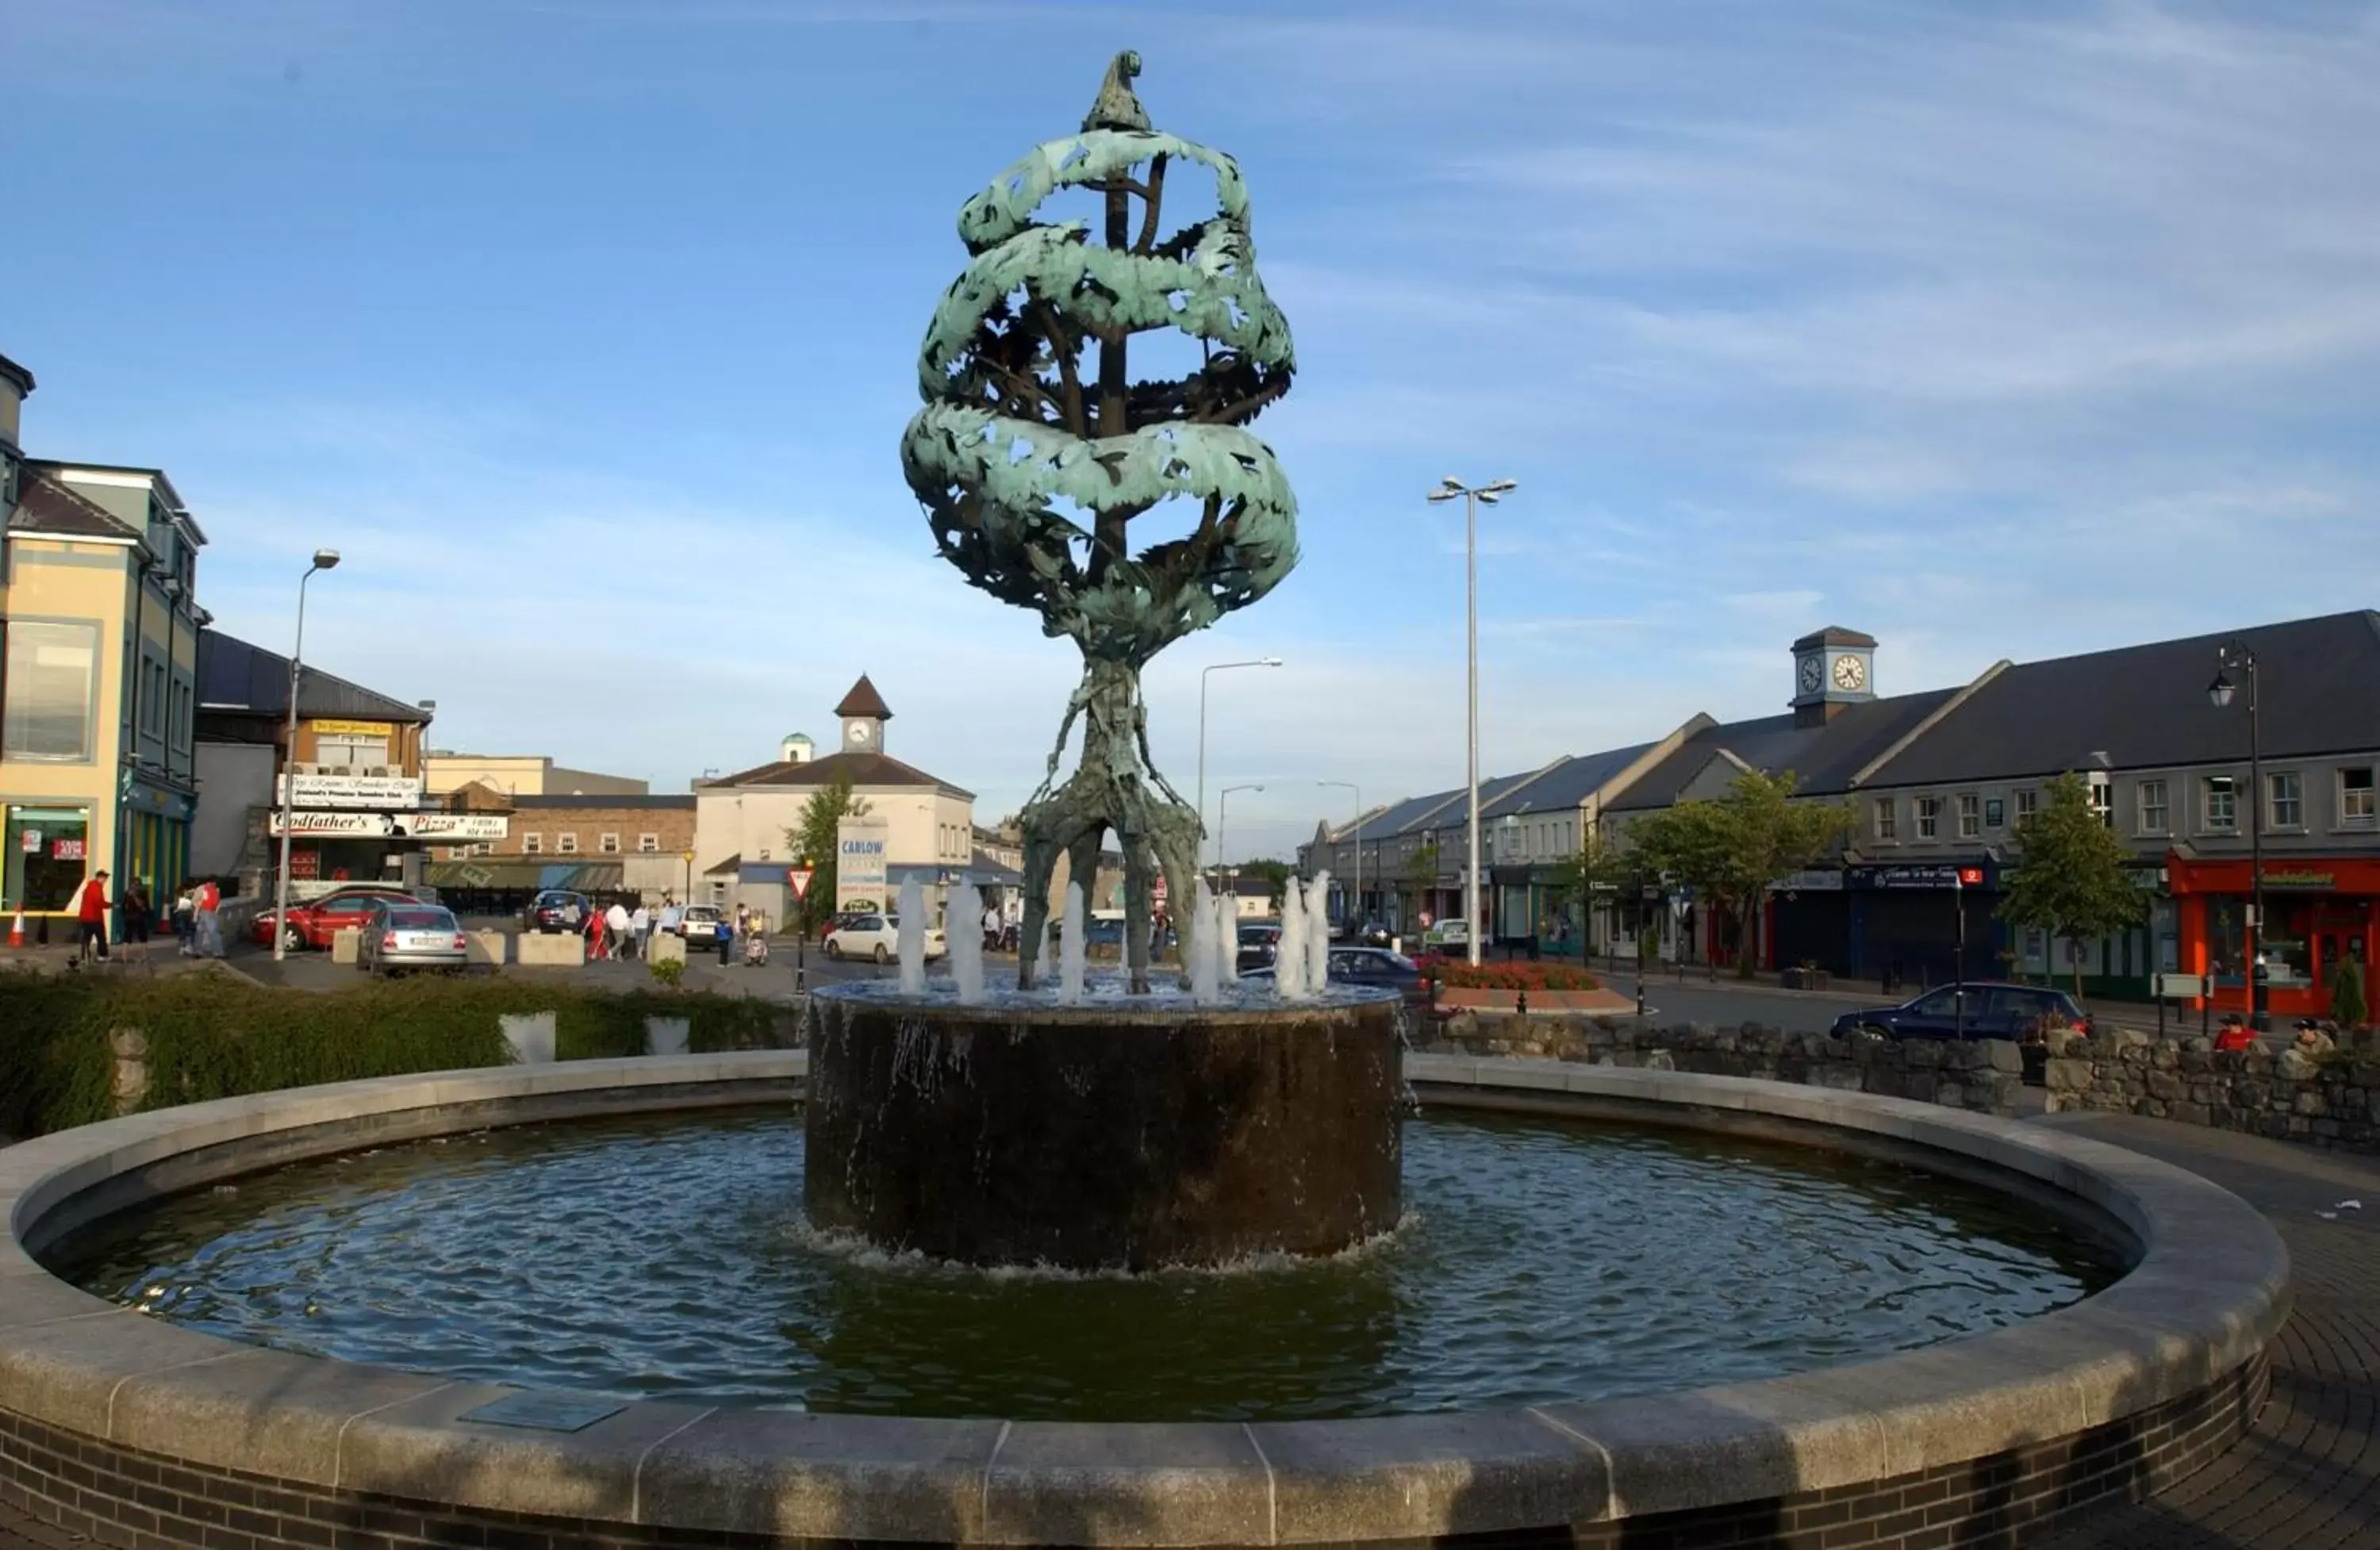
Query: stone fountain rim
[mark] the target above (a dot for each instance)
(2208, 1293)
(883, 994)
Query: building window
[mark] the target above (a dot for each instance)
(1929, 818)
(1970, 815)
(2102, 801)
(42, 855)
(649, 844)
(1995, 814)
(608, 843)
(481, 847)
(2356, 809)
(567, 844)
(532, 844)
(2152, 806)
(2027, 803)
(351, 751)
(1888, 819)
(2286, 806)
(52, 692)
(2220, 811)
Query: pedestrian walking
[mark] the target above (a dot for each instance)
(725, 937)
(185, 916)
(615, 927)
(594, 934)
(90, 913)
(206, 918)
(140, 912)
(671, 916)
(640, 928)
(991, 928)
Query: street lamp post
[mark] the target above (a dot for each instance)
(1490, 492)
(324, 559)
(2236, 654)
(1216, 667)
(1222, 825)
(1358, 791)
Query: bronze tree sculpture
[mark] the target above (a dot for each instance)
(1033, 462)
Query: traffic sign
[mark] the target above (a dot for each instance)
(1971, 876)
(798, 878)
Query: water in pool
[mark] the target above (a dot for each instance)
(665, 1256)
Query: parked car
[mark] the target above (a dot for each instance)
(1367, 965)
(1995, 1010)
(313, 922)
(557, 910)
(699, 924)
(878, 936)
(1259, 940)
(1448, 933)
(410, 934)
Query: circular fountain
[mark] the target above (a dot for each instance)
(1123, 1133)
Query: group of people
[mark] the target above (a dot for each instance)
(197, 926)
(620, 934)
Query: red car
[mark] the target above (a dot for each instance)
(312, 922)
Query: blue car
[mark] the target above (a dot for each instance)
(1994, 1010)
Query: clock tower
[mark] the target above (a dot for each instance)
(1832, 668)
(864, 714)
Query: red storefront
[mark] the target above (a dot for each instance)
(2319, 910)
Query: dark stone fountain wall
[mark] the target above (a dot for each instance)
(1087, 1138)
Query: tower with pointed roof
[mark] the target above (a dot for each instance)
(864, 714)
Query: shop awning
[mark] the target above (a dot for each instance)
(586, 876)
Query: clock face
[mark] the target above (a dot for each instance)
(1850, 672)
(859, 732)
(1812, 674)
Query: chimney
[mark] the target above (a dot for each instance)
(796, 750)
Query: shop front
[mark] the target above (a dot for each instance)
(156, 846)
(2320, 911)
(48, 850)
(1906, 924)
(1810, 922)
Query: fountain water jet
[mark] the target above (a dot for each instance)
(1317, 933)
(1073, 949)
(913, 938)
(959, 919)
(1199, 944)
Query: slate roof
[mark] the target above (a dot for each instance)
(864, 700)
(650, 803)
(2145, 706)
(1566, 785)
(48, 505)
(236, 677)
(863, 769)
(1824, 758)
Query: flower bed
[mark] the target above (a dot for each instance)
(1454, 973)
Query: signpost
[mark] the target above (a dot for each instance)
(798, 878)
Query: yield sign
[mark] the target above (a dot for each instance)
(798, 878)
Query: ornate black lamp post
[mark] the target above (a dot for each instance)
(2236, 654)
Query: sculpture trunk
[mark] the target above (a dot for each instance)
(1112, 789)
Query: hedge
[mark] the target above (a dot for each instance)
(211, 1034)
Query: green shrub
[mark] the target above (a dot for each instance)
(213, 1035)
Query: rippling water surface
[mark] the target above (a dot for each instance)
(1539, 1260)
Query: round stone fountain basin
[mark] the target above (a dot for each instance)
(1114, 1134)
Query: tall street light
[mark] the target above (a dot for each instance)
(1223, 822)
(1216, 667)
(324, 559)
(2236, 654)
(1489, 494)
(1350, 786)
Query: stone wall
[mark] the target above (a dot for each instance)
(1980, 1074)
(2330, 1100)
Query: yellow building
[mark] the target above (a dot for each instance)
(98, 686)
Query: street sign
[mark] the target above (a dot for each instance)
(1971, 876)
(798, 879)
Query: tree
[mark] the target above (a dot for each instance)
(2348, 1008)
(1421, 875)
(816, 838)
(2073, 879)
(1597, 867)
(1731, 851)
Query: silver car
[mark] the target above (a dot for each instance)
(400, 935)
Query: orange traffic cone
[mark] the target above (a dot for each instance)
(17, 931)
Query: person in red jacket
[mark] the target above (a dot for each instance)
(91, 909)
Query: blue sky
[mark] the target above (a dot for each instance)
(586, 329)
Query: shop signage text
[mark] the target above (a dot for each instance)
(352, 791)
(1812, 880)
(1906, 877)
(351, 729)
(860, 871)
(2298, 876)
(401, 826)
